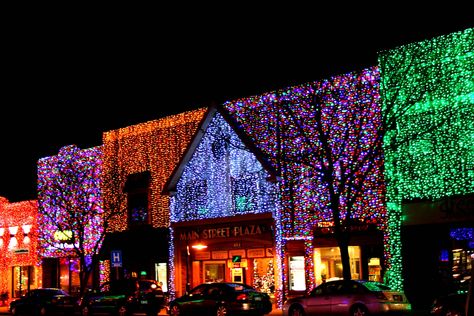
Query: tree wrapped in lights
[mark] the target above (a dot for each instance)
(324, 139)
(427, 95)
(70, 207)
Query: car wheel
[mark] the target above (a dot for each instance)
(175, 311)
(221, 311)
(359, 310)
(42, 311)
(453, 312)
(296, 311)
(122, 311)
(86, 311)
(14, 311)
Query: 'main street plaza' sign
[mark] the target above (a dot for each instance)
(224, 232)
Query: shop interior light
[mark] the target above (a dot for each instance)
(199, 246)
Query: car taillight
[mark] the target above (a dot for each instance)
(381, 296)
(242, 297)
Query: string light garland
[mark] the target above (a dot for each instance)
(155, 146)
(18, 237)
(222, 179)
(437, 161)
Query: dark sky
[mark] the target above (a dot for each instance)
(67, 82)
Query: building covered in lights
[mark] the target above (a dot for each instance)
(138, 160)
(20, 269)
(429, 159)
(250, 187)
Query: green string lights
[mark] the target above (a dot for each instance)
(428, 87)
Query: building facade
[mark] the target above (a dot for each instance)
(218, 189)
(429, 157)
(20, 269)
(138, 160)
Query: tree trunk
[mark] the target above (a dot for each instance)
(343, 242)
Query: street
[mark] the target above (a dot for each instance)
(275, 312)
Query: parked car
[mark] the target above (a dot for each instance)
(44, 301)
(452, 305)
(221, 299)
(351, 297)
(124, 297)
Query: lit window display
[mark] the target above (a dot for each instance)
(297, 276)
(328, 264)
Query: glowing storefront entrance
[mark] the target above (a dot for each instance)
(240, 251)
(24, 278)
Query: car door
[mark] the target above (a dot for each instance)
(342, 296)
(318, 302)
(192, 303)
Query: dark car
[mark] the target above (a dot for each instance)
(44, 301)
(452, 304)
(124, 297)
(221, 299)
(352, 297)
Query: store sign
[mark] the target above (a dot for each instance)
(225, 232)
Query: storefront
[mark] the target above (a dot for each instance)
(438, 244)
(319, 259)
(235, 249)
(19, 262)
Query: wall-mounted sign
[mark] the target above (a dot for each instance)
(202, 255)
(268, 252)
(225, 232)
(256, 253)
(237, 252)
(221, 254)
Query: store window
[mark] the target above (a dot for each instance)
(162, 275)
(24, 279)
(137, 189)
(264, 275)
(297, 274)
(195, 201)
(245, 193)
(214, 271)
(328, 264)
(69, 279)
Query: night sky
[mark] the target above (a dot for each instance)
(66, 83)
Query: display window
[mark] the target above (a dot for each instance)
(328, 264)
(264, 275)
(24, 279)
(69, 279)
(214, 271)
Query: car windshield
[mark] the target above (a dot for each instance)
(240, 287)
(147, 285)
(376, 286)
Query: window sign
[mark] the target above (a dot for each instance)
(297, 275)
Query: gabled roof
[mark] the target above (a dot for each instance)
(170, 186)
